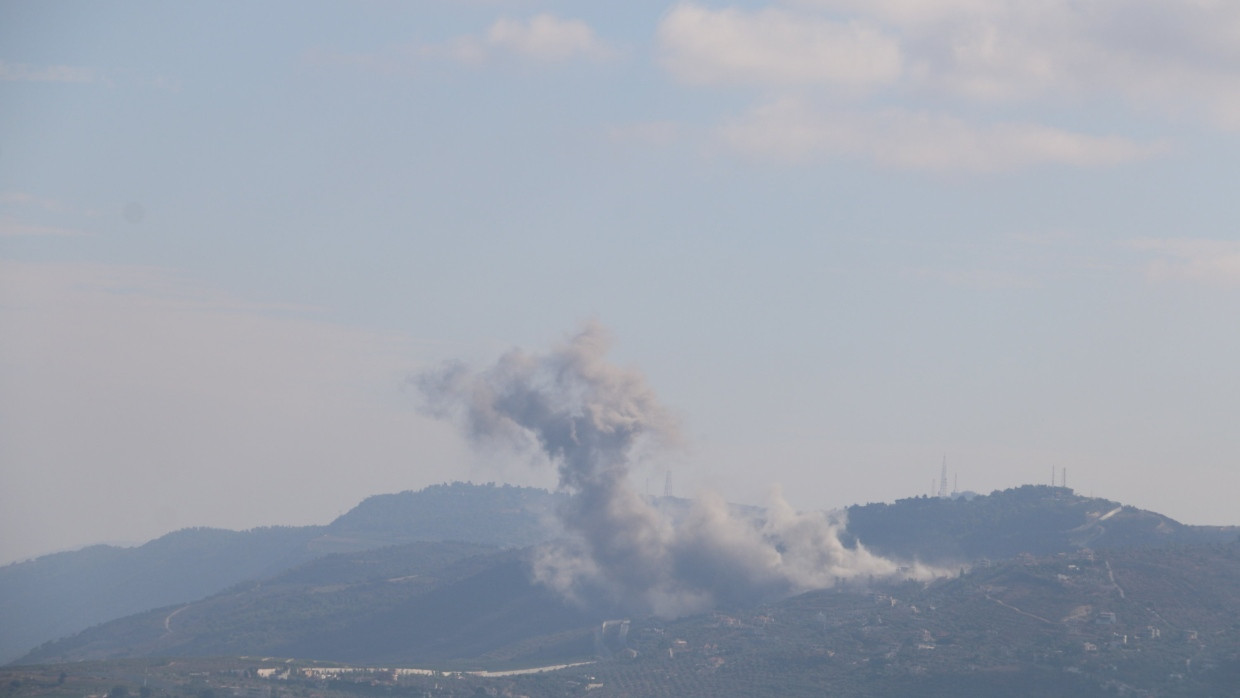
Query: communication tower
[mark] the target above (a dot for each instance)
(943, 480)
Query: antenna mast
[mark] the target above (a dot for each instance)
(943, 480)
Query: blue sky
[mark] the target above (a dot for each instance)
(842, 240)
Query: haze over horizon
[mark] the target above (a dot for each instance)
(839, 240)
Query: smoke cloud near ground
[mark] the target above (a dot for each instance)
(590, 419)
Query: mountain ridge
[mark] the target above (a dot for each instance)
(1146, 621)
(65, 593)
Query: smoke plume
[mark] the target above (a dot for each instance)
(589, 418)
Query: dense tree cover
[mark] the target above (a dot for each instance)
(57, 595)
(1090, 623)
(63, 593)
(1056, 626)
(417, 601)
(1032, 519)
(502, 515)
(467, 601)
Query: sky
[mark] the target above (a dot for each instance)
(843, 241)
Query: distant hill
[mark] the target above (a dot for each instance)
(1139, 621)
(417, 602)
(1145, 621)
(1032, 519)
(499, 515)
(61, 594)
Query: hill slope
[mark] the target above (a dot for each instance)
(1143, 621)
(58, 595)
(503, 515)
(1165, 621)
(1033, 519)
(62, 594)
(412, 603)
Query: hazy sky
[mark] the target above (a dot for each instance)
(842, 239)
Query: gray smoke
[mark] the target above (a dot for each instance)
(590, 418)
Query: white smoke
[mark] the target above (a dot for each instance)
(589, 417)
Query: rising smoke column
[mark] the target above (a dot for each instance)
(588, 417)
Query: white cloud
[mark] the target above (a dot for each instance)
(26, 72)
(953, 73)
(1211, 262)
(1175, 59)
(1179, 56)
(546, 37)
(910, 12)
(543, 38)
(789, 130)
(729, 46)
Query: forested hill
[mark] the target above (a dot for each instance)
(1032, 519)
(501, 515)
(401, 604)
(58, 595)
(61, 594)
(1141, 621)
